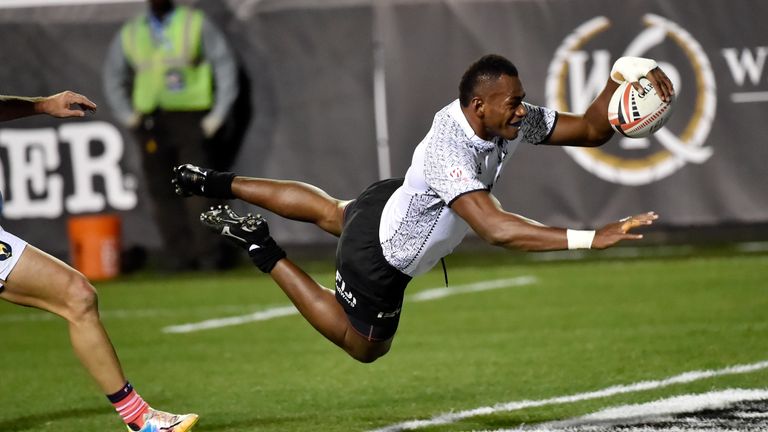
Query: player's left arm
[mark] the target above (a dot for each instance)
(64, 104)
(592, 129)
(484, 215)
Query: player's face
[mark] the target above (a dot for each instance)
(503, 110)
(160, 7)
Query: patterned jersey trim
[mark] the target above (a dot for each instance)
(409, 239)
(464, 193)
(538, 124)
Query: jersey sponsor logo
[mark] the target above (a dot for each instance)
(6, 251)
(570, 86)
(392, 314)
(457, 173)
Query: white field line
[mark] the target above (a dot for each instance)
(680, 404)
(687, 377)
(436, 293)
(264, 315)
(426, 295)
(110, 314)
(629, 414)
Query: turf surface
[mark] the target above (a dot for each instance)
(582, 326)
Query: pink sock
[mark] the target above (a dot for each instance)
(130, 406)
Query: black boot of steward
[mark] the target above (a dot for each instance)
(249, 232)
(191, 180)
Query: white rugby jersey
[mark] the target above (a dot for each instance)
(417, 227)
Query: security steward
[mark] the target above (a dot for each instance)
(171, 78)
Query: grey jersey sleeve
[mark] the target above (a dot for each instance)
(116, 79)
(218, 53)
(538, 124)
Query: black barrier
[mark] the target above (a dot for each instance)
(310, 68)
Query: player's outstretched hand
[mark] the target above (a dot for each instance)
(613, 233)
(633, 68)
(66, 104)
(661, 83)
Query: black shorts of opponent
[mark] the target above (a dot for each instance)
(367, 286)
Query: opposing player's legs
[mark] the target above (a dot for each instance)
(42, 281)
(289, 199)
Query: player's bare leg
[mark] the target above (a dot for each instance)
(319, 307)
(317, 304)
(42, 281)
(293, 200)
(290, 199)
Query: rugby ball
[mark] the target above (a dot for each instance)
(637, 116)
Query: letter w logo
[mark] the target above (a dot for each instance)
(585, 86)
(748, 63)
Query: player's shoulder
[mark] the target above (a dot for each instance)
(446, 116)
(447, 130)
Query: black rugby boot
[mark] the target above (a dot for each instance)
(191, 180)
(249, 232)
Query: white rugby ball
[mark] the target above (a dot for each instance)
(635, 115)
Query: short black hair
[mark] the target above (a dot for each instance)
(488, 67)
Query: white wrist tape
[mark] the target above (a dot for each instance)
(631, 68)
(580, 239)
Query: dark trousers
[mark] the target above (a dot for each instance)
(168, 139)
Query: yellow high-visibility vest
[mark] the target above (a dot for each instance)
(169, 76)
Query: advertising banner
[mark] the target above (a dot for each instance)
(339, 93)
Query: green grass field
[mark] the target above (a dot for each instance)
(580, 326)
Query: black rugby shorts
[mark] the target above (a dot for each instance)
(367, 286)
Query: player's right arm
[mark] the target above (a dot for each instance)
(64, 104)
(485, 216)
(591, 129)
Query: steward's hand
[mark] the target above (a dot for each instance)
(210, 125)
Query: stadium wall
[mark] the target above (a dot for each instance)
(340, 92)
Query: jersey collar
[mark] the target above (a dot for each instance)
(454, 109)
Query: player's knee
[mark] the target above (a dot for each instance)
(82, 299)
(333, 217)
(370, 353)
(366, 357)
